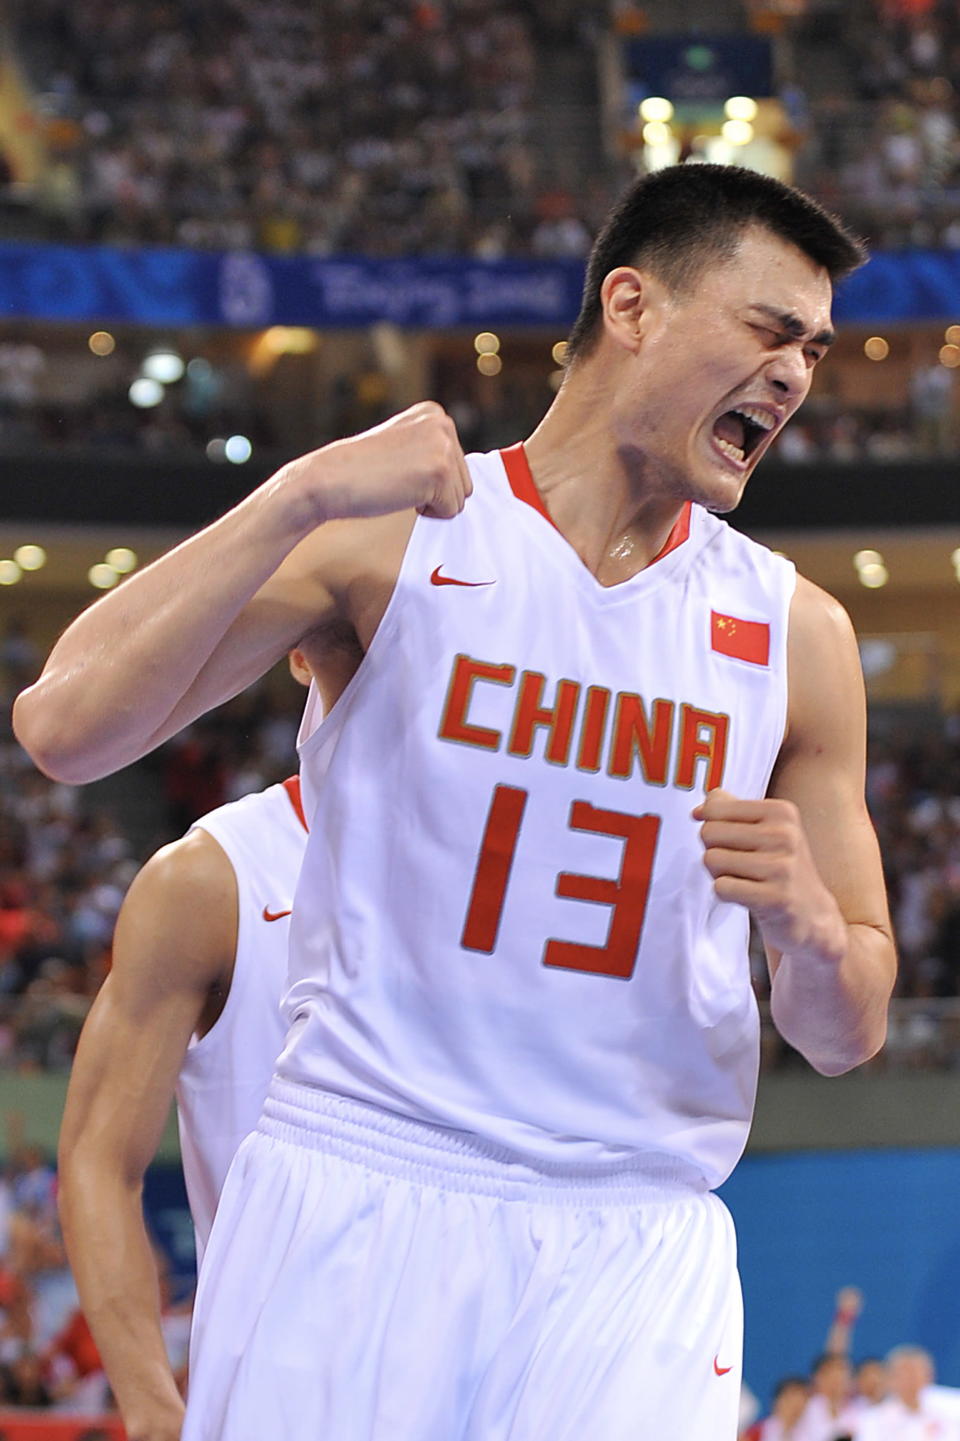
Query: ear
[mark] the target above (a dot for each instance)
(299, 668)
(629, 299)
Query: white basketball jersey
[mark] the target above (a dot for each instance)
(225, 1074)
(504, 924)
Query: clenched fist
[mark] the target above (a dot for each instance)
(413, 461)
(758, 855)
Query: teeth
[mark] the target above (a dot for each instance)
(728, 448)
(758, 416)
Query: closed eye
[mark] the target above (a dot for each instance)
(776, 339)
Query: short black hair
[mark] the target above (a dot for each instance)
(676, 220)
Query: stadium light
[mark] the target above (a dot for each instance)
(165, 366)
(656, 108)
(30, 557)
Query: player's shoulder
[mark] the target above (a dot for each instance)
(177, 926)
(818, 621)
(192, 871)
(716, 537)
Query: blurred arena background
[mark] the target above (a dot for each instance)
(236, 229)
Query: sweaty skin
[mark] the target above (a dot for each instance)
(632, 435)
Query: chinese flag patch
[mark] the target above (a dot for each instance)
(744, 639)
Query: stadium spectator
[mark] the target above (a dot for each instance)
(789, 1402)
(829, 1414)
(870, 1382)
(908, 1412)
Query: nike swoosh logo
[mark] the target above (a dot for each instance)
(718, 1369)
(438, 579)
(269, 915)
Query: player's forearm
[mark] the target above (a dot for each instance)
(832, 1006)
(116, 1278)
(118, 674)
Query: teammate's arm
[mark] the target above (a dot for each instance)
(806, 861)
(175, 939)
(212, 615)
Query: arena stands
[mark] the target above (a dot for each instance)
(884, 142)
(376, 128)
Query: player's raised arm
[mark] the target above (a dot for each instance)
(212, 615)
(806, 860)
(119, 1096)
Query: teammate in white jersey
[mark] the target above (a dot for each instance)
(192, 1003)
(593, 727)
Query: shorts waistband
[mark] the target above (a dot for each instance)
(458, 1161)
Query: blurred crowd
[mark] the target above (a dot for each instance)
(48, 1357)
(365, 126)
(893, 1398)
(884, 144)
(391, 127)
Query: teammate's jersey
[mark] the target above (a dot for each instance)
(504, 924)
(225, 1074)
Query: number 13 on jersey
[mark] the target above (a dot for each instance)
(627, 895)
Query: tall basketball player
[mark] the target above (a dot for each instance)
(191, 1006)
(594, 727)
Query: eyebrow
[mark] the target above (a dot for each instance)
(793, 325)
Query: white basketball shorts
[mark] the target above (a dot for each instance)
(369, 1278)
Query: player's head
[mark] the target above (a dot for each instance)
(831, 1376)
(790, 1399)
(871, 1379)
(680, 220)
(909, 1370)
(706, 306)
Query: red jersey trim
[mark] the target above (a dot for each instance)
(292, 787)
(520, 476)
(521, 480)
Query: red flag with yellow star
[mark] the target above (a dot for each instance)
(743, 639)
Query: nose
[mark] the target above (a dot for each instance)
(789, 373)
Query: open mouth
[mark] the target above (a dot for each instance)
(737, 433)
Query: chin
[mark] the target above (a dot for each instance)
(719, 494)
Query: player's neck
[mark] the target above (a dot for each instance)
(609, 507)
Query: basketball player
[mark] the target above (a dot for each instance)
(593, 728)
(192, 1003)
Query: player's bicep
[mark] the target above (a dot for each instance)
(343, 573)
(176, 934)
(295, 601)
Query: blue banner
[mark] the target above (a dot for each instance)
(168, 288)
(902, 285)
(250, 291)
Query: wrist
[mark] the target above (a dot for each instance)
(825, 945)
(162, 1421)
(316, 487)
(296, 499)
